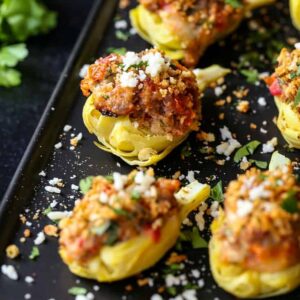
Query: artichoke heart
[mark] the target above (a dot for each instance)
(124, 226)
(254, 251)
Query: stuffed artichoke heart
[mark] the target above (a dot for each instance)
(184, 29)
(284, 85)
(142, 105)
(255, 247)
(125, 224)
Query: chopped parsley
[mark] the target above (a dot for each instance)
(121, 51)
(290, 203)
(193, 236)
(246, 150)
(76, 290)
(252, 75)
(234, 3)
(216, 192)
(85, 184)
(135, 195)
(35, 252)
(171, 290)
(47, 210)
(259, 163)
(297, 98)
(109, 178)
(121, 35)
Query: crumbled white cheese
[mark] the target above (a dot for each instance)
(269, 147)
(74, 187)
(262, 101)
(189, 295)
(128, 79)
(143, 181)
(225, 133)
(201, 283)
(190, 176)
(10, 272)
(40, 238)
(29, 279)
(258, 192)
(264, 131)
(130, 58)
(171, 280)
(103, 198)
(55, 181)
(58, 215)
(58, 145)
(142, 76)
(228, 147)
(88, 296)
(27, 296)
(156, 63)
(121, 24)
(132, 31)
(218, 91)
(119, 181)
(214, 209)
(244, 208)
(297, 46)
(52, 189)
(83, 71)
(67, 128)
(196, 273)
(96, 288)
(156, 297)
(42, 173)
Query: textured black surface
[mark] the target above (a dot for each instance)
(21, 107)
(52, 278)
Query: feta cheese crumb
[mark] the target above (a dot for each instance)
(225, 133)
(52, 189)
(83, 71)
(262, 101)
(42, 173)
(121, 24)
(297, 46)
(58, 145)
(40, 238)
(27, 296)
(74, 187)
(156, 63)
(156, 297)
(269, 147)
(218, 91)
(244, 208)
(29, 279)
(58, 215)
(128, 79)
(130, 58)
(67, 128)
(10, 272)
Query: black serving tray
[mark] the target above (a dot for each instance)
(26, 193)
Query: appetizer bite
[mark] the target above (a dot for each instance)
(184, 29)
(255, 247)
(142, 105)
(125, 224)
(284, 85)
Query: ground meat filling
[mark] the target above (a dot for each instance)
(159, 95)
(261, 228)
(197, 23)
(285, 82)
(118, 208)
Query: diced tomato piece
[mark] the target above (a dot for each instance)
(275, 88)
(154, 233)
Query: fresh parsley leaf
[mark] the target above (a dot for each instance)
(135, 195)
(76, 290)
(216, 192)
(246, 150)
(85, 184)
(290, 203)
(47, 210)
(171, 290)
(9, 77)
(121, 35)
(259, 163)
(35, 252)
(297, 98)
(234, 3)
(252, 76)
(109, 178)
(193, 236)
(22, 19)
(121, 51)
(12, 54)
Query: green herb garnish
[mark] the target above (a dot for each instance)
(234, 3)
(216, 192)
(121, 35)
(135, 195)
(297, 98)
(259, 163)
(171, 290)
(109, 178)
(252, 76)
(35, 252)
(47, 210)
(246, 150)
(99, 230)
(186, 151)
(290, 203)
(85, 184)
(121, 51)
(76, 290)
(194, 237)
